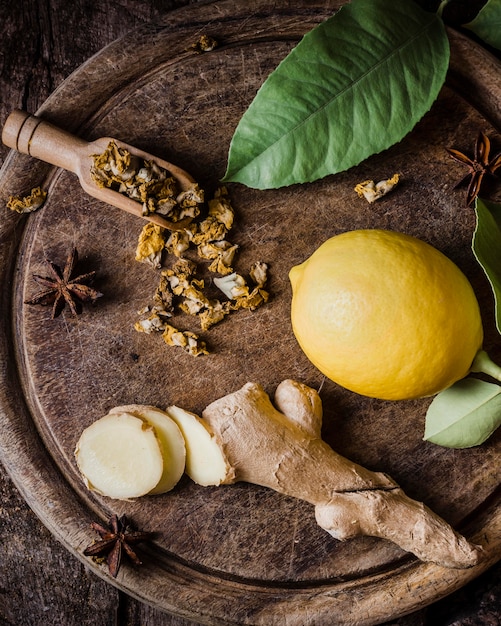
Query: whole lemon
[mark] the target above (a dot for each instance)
(385, 315)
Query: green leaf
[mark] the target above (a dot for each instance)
(464, 415)
(486, 246)
(442, 6)
(354, 85)
(487, 24)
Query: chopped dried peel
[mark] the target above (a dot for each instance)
(259, 274)
(194, 299)
(211, 229)
(372, 191)
(235, 288)
(221, 253)
(205, 43)
(163, 297)
(220, 208)
(156, 322)
(27, 204)
(214, 314)
(150, 245)
(192, 197)
(114, 165)
(252, 300)
(178, 242)
(186, 340)
(145, 182)
(181, 290)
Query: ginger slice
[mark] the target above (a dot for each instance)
(119, 456)
(170, 439)
(206, 463)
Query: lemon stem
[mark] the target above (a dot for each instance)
(483, 363)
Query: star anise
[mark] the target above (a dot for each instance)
(61, 288)
(116, 540)
(478, 167)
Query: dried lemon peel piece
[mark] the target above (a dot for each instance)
(214, 314)
(150, 245)
(155, 322)
(188, 341)
(146, 182)
(27, 204)
(235, 287)
(211, 229)
(114, 165)
(163, 296)
(194, 299)
(221, 253)
(259, 274)
(180, 277)
(179, 241)
(372, 191)
(220, 208)
(205, 43)
(192, 197)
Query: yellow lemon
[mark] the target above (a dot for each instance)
(385, 315)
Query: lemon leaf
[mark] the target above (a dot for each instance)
(486, 246)
(464, 415)
(355, 85)
(487, 24)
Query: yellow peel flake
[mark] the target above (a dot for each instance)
(153, 323)
(210, 229)
(214, 314)
(186, 340)
(259, 273)
(220, 208)
(27, 204)
(222, 254)
(372, 191)
(150, 245)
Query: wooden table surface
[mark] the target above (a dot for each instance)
(42, 42)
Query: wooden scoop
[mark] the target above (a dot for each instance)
(31, 135)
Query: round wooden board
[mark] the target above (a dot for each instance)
(239, 554)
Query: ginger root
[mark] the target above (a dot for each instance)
(281, 448)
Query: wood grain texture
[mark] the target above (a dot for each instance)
(54, 397)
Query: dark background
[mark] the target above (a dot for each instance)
(41, 43)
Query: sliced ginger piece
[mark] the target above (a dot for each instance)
(171, 442)
(206, 463)
(119, 456)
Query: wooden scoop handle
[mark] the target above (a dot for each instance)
(31, 135)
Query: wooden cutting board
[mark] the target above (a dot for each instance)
(239, 554)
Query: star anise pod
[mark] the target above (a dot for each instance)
(61, 288)
(116, 540)
(479, 166)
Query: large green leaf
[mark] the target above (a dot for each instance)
(354, 85)
(464, 415)
(486, 246)
(487, 24)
